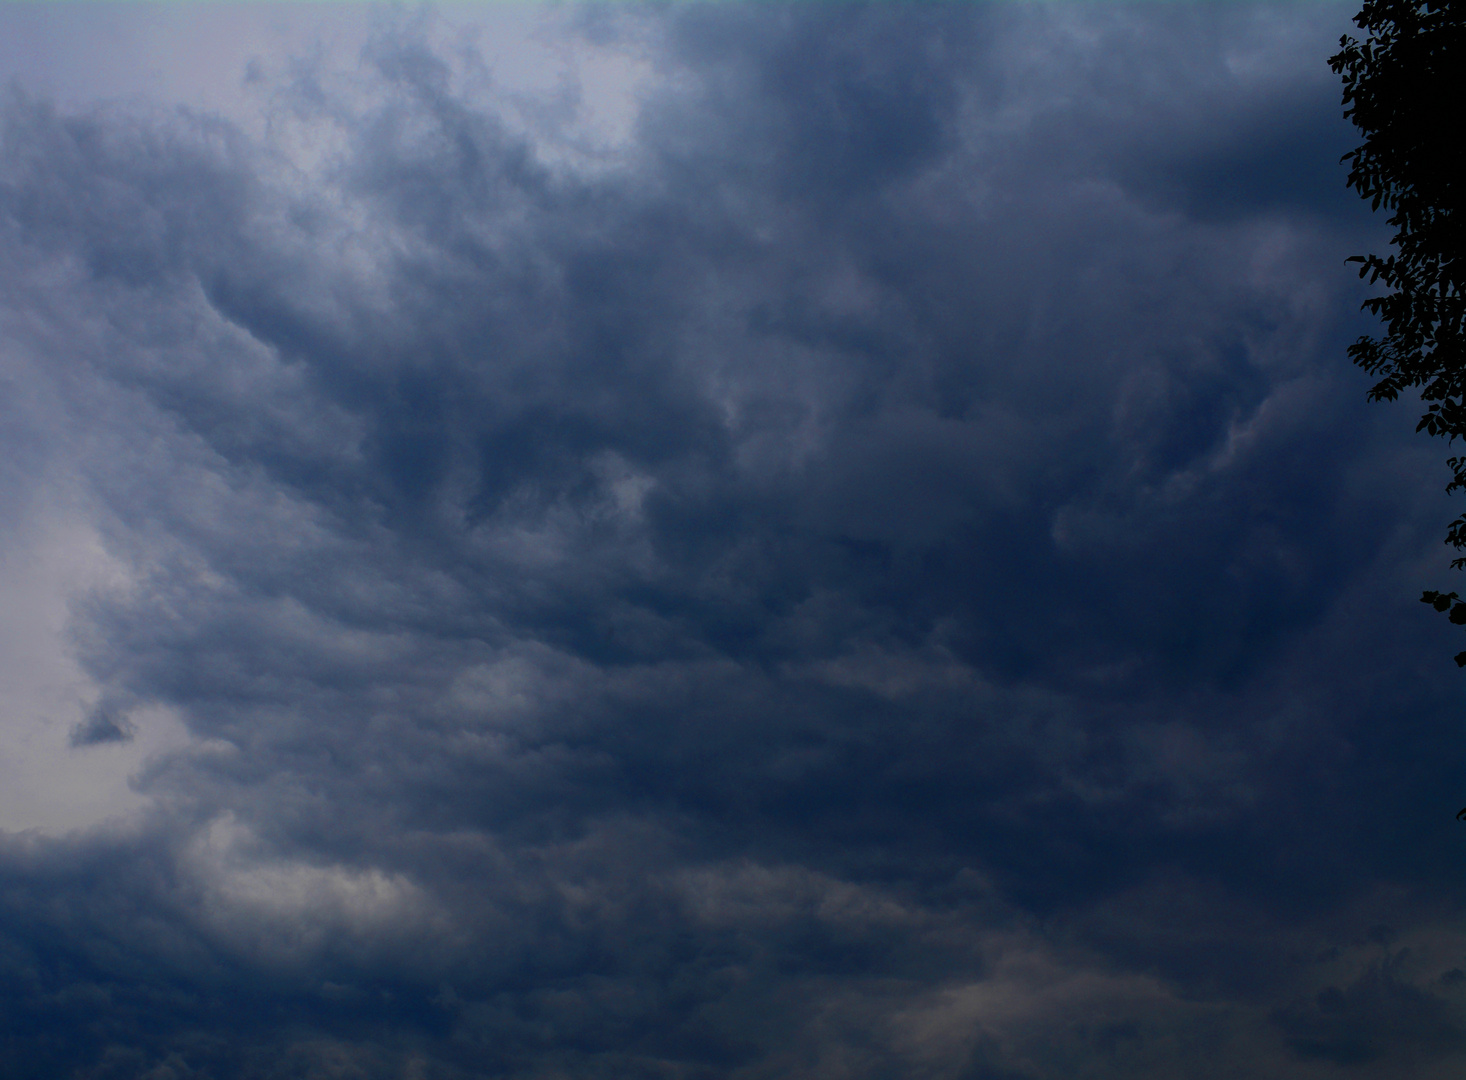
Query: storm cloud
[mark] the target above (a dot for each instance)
(879, 568)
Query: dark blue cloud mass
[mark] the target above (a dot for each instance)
(885, 572)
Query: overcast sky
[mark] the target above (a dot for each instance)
(710, 541)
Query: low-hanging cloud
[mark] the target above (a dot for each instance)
(883, 571)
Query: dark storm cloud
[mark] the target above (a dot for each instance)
(892, 577)
(102, 724)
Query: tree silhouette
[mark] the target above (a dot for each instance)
(1405, 89)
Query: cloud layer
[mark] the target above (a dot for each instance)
(879, 568)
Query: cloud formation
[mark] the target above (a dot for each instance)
(881, 570)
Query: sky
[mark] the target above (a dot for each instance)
(710, 541)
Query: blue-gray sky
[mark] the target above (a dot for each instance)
(709, 541)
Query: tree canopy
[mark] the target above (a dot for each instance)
(1405, 89)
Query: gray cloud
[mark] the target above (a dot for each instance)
(890, 575)
(102, 725)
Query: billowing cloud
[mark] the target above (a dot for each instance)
(862, 556)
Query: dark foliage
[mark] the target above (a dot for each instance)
(1405, 89)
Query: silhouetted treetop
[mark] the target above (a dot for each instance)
(1405, 89)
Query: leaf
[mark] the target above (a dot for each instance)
(1440, 601)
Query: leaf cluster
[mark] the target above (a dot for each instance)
(1449, 602)
(1405, 90)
